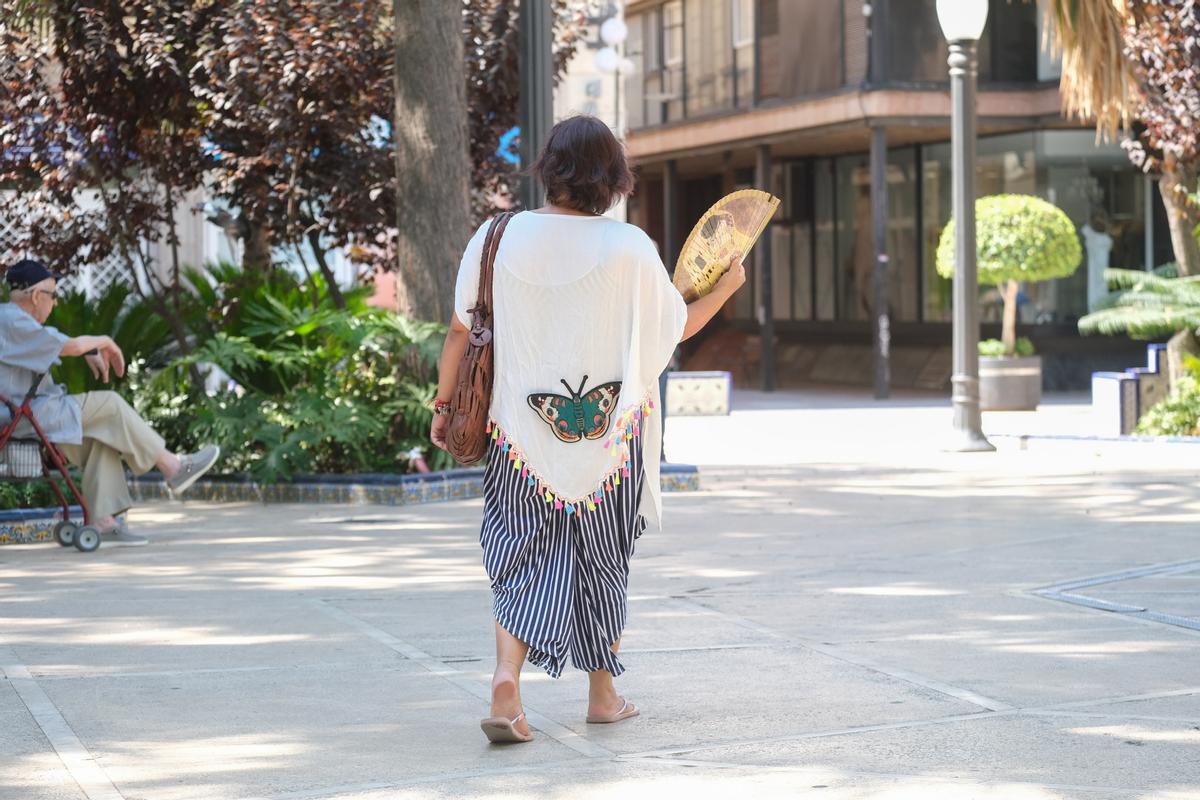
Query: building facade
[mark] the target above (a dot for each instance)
(783, 95)
(585, 88)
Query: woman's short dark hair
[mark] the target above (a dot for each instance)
(583, 166)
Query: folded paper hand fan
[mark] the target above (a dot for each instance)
(729, 228)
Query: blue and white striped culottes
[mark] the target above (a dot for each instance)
(559, 580)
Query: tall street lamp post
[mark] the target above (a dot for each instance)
(610, 61)
(962, 24)
(536, 101)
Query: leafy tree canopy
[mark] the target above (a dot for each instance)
(1018, 238)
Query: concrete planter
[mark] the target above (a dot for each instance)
(1010, 384)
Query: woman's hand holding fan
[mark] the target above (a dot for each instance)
(727, 230)
(733, 278)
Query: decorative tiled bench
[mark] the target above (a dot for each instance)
(36, 525)
(365, 488)
(26, 525)
(698, 394)
(1119, 399)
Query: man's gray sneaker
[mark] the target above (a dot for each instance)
(120, 536)
(193, 466)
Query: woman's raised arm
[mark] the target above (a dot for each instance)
(702, 310)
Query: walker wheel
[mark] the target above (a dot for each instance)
(64, 532)
(87, 539)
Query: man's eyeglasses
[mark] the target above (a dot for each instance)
(53, 295)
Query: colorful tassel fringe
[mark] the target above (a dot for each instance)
(625, 429)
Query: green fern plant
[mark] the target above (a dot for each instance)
(1146, 305)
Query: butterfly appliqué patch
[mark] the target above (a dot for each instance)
(578, 415)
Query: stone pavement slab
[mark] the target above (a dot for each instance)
(851, 624)
(234, 734)
(29, 768)
(1073, 756)
(1177, 593)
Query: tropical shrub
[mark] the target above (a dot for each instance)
(1176, 415)
(1146, 305)
(294, 383)
(1179, 413)
(1019, 239)
(133, 324)
(309, 387)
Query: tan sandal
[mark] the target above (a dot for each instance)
(626, 711)
(502, 729)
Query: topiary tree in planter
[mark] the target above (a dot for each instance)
(1019, 239)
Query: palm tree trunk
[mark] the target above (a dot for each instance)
(1176, 183)
(1008, 331)
(433, 162)
(1183, 343)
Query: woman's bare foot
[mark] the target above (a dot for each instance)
(610, 709)
(506, 700)
(607, 709)
(604, 704)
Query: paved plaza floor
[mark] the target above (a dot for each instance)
(842, 612)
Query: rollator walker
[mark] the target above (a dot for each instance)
(33, 459)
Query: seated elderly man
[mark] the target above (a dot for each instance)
(94, 430)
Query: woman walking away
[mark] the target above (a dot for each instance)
(586, 318)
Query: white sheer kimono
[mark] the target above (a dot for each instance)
(586, 319)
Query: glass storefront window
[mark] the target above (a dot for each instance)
(802, 212)
(935, 211)
(802, 294)
(1004, 165)
(1094, 185)
(854, 255)
(782, 270)
(822, 252)
(1105, 199)
(791, 241)
(825, 226)
(902, 234)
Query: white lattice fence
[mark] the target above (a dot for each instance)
(95, 278)
(92, 278)
(8, 241)
(200, 243)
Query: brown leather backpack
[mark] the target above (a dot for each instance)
(466, 436)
